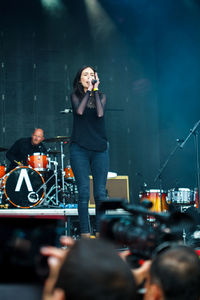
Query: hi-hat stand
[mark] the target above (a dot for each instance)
(63, 188)
(62, 155)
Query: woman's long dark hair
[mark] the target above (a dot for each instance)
(78, 88)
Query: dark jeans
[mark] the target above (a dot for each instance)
(85, 162)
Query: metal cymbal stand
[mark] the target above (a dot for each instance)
(55, 187)
(66, 191)
(63, 186)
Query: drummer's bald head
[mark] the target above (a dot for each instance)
(39, 131)
(37, 136)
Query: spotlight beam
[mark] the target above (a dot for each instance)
(101, 24)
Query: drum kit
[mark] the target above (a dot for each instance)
(45, 181)
(180, 198)
(183, 200)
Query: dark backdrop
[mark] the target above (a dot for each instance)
(147, 56)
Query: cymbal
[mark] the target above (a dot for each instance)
(3, 149)
(57, 139)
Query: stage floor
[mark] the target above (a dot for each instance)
(53, 212)
(42, 211)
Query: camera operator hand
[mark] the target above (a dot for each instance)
(56, 257)
(141, 273)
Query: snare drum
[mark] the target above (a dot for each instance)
(24, 187)
(38, 161)
(155, 197)
(2, 171)
(69, 173)
(181, 196)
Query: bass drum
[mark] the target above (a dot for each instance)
(24, 187)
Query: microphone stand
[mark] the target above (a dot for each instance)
(192, 131)
(158, 176)
(196, 142)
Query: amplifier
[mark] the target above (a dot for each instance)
(117, 187)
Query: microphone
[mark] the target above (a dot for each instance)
(66, 111)
(94, 81)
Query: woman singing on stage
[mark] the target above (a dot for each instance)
(89, 146)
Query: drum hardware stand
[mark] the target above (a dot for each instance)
(54, 187)
(63, 188)
(184, 236)
(1, 197)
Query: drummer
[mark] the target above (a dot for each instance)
(19, 151)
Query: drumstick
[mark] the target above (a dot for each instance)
(18, 162)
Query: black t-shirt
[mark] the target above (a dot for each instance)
(20, 151)
(88, 128)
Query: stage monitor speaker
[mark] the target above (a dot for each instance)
(117, 187)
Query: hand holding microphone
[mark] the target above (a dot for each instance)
(96, 82)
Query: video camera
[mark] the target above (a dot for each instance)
(143, 232)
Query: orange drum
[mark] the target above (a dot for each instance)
(155, 197)
(68, 173)
(2, 171)
(38, 161)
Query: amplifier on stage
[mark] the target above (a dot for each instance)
(117, 187)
